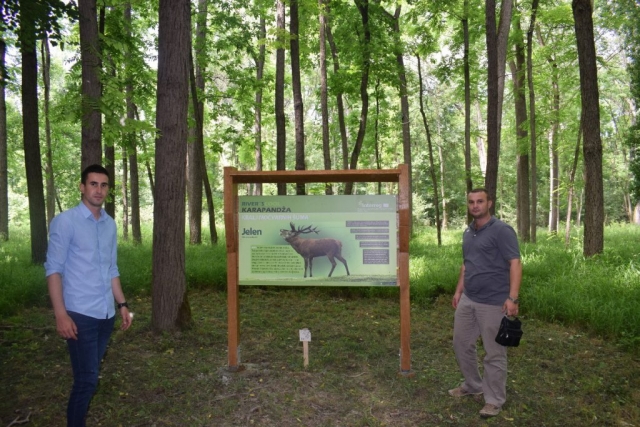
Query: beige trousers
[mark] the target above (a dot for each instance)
(474, 320)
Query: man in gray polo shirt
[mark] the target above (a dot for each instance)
(487, 289)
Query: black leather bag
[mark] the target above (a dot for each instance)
(510, 332)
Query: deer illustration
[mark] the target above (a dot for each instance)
(311, 248)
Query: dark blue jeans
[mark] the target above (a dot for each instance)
(86, 353)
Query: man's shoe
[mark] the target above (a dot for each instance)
(460, 392)
(489, 410)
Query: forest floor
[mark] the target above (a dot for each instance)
(558, 376)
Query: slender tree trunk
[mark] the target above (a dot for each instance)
(480, 145)
(363, 8)
(281, 135)
(522, 188)
(4, 182)
(532, 124)
(170, 306)
(132, 147)
(339, 101)
(445, 220)
(592, 148)
(257, 190)
(298, 106)
(50, 193)
(194, 168)
(467, 104)
(554, 170)
(91, 86)
(109, 150)
(496, 57)
(30, 131)
(571, 189)
(124, 187)
(324, 96)
(404, 101)
(432, 166)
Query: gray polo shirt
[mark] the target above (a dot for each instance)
(486, 254)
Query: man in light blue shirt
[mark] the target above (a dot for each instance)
(83, 281)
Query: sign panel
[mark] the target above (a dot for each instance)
(317, 240)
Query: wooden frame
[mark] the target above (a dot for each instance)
(233, 177)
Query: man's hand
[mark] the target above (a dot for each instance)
(66, 327)
(127, 318)
(456, 299)
(510, 308)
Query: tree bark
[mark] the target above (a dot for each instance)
(132, 144)
(467, 105)
(363, 8)
(30, 131)
(194, 167)
(344, 144)
(170, 306)
(571, 189)
(4, 182)
(281, 135)
(532, 124)
(522, 142)
(432, 166)
(324, 95)
(298, 106)
(592, 145)
(91, 86)
(50, 192)
(496, 57)
(257, 127)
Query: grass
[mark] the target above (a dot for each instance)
(558, 376)
(578, 363)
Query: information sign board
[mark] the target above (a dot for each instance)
(317, 240)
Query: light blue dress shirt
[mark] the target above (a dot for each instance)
(83, 251)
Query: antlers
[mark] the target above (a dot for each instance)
(304, 230)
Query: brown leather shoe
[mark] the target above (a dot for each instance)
(489, 410)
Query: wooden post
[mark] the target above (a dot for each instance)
(231, 232)
(404, 230)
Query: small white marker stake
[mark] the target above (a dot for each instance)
(305, 337)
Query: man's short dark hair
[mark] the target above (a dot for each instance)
(93, 169)
(481, 190)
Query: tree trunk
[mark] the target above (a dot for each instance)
(363, 8)
(132, 147)
(50, 193)
(480, 145)
(592, 148)
(324, 96)
(281, 135)
(339, 101)
(522, 142)
(91, 86)
(125, 194)
(30, 130)
(298, 106)
(432, 166)
(467, 105)
(195, 169)
(496, 56)
(572, 176)
(109, 150)
(404, 104)
(4, 182)
(257, 128)
(376, 136)
(532, 125)
(170, 306)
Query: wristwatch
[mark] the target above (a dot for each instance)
(514, 300)
(122, 304)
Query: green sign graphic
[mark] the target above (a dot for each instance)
(317, 240)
